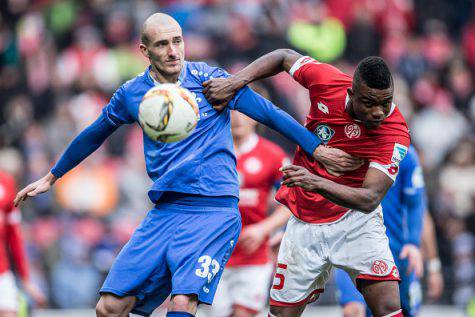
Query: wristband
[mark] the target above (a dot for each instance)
(434, 265)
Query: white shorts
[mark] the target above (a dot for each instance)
(357, 243)
(9, 292)
(244, 286)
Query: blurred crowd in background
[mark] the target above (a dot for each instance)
(60, 61)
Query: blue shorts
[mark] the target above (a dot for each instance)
(409, 290)
(174, 251)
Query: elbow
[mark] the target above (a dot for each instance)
(371, 203)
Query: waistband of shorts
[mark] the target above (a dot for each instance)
(194, 202)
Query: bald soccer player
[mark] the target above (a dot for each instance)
(184, 242)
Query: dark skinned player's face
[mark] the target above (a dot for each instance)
(370, 105)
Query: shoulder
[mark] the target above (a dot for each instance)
(317, 73)
(395, 126)
(202, 71)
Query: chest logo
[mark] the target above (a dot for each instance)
(322, 108)
(352, 130)
(324, 133)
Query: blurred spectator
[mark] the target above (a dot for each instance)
(60, 61)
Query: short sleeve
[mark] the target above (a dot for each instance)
(390, 155)
(115, 111)
(311, 73)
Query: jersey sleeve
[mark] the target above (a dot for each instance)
(311, 73)
(391, 152)
(115, 111)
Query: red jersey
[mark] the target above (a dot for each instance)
(10, 231)
(382, 148)
(258, 163)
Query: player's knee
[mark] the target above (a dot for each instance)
(111, 306)
(354, 309)
(186, 303)
(389, 305)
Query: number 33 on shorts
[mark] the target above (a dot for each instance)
(206, 263)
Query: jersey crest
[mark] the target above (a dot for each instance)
(324, 133)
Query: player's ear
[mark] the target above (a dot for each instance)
(350, 92)
(144, 50)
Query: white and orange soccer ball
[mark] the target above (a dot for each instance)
(168, 113)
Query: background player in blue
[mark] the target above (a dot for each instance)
(403, 209)
(182, 245)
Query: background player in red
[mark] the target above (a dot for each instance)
(11, 245)
(245, 283)
(337, 218)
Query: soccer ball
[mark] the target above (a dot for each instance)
(168, 113)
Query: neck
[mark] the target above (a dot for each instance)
(163, 78)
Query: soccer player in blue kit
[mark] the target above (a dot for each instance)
(183, 244)
(403, 208)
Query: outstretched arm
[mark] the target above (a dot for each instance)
(365, 198)
(81, 147)
(219, 91)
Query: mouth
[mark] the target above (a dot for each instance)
(173, 62)
(374, 123)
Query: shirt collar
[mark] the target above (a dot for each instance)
(181, 78)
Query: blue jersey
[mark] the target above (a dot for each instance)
(204, 163)
(404, 205)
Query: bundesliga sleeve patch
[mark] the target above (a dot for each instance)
(399, 152)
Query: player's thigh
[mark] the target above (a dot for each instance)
(251, 288)
(361, 248)
(287, 311)
(9, 298)
(223, 301)
(302, 266)
(199, 251)
(382, 297)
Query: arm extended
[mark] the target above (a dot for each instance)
(221, 90)
(81, 147)
(262, 110)
(84, 145)
(365, 198)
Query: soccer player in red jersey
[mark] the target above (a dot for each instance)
(337, 219)
(244, 285)
(11, 240)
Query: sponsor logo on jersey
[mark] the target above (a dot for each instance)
(322, 107)
(352, 130)
(379, 267)
(324, 133)
(399, 152)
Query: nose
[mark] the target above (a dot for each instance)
(378, 114)
(172, 51)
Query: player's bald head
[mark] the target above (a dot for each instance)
(158, 23)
